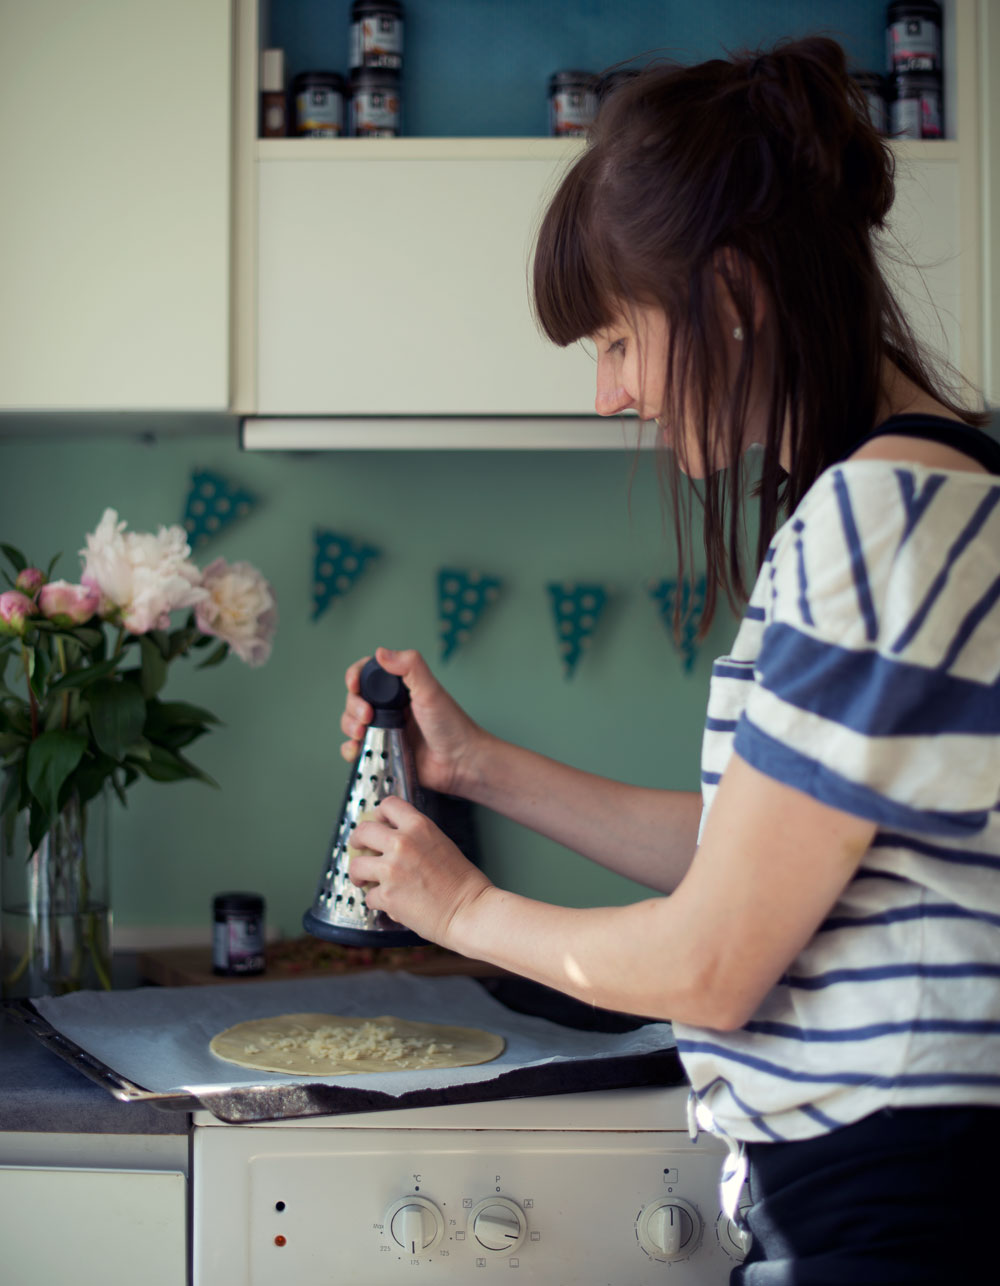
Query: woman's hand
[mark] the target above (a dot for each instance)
(412, 871)
(444, 740)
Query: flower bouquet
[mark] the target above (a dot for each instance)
(82, 669)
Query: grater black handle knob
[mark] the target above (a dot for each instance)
(387, 693)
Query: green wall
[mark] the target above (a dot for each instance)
(631, 711)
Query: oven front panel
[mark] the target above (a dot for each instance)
(378, 1207)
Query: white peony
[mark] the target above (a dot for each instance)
(239, 608)
(142, 577)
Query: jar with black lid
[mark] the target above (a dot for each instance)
(872, 85)
(319, 104)
(377, 34)
(238, 934)
(913, 36)
(916, 108)
(375, 103)
(572, 103)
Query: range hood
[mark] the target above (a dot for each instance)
(448, 433)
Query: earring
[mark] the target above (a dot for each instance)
(737, 332)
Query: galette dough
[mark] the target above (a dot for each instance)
(331, 1045)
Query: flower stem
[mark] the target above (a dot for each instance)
(61, 650)
(32, 703)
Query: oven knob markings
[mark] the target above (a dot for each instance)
(498, 1224)
(735, 1241)
(415, 1224)
(669, 1228)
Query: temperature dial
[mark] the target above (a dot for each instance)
(668, 1229)
(498, 1224)
(415, 1224)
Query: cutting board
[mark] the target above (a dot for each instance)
(192, 966)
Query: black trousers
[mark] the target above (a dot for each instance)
(904, 1196)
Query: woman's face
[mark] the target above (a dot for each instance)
(632, 355)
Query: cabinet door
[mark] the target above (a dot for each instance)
(400, 287)
(922, 255)
(92, 1227)
(114, 222)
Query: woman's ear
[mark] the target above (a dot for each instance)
(740, 296)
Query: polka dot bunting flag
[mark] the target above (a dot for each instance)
(338, 563)
(577, 610)
(213, 503)
(664, 594)
(463, 596)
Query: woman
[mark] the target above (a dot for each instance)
(829, 951)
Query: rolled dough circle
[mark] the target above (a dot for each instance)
(333, 1045)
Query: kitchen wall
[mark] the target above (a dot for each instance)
(630, 711)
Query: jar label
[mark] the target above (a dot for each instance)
(913, 44)
(319, 113)
(374, 113)
(571, 111)
(238, 945)
(917, 117)
(377, 42)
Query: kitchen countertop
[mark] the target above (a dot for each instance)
(41, 1093)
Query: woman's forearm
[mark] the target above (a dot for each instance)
(647, 835)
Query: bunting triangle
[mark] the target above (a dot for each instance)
(576, 610)
(213, 504)
(664, 594)
(463, 596)
(338, 563)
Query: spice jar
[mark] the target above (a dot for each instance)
(913, 36)
(238, 934)
(916, 108)
(273, 100)
(872, 86)
(319, 104)
(377, 34)
(375, 101)
(572, 103)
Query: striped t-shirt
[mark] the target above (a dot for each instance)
(866, 673)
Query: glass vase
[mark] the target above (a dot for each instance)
(55, 935)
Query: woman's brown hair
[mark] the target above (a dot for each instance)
(766, 170)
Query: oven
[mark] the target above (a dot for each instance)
(602, 1189)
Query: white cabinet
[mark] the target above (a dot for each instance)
(114, 224)
(92, 1227)
(392, 280)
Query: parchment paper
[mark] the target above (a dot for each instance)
(158, 1037)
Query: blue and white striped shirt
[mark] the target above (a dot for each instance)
(866, 673)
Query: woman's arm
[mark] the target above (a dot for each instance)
(648, 835)
(771, 863)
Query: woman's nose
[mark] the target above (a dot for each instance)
(612, 397)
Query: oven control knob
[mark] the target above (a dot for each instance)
(498, 1224)
(415, 1224)
(668, 1229)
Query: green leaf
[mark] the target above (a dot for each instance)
(117, 713)
(84, 677)
(214, 658)
(14, 556)
(165, 765)
(50, 760)
(154, 667)
(168, 714)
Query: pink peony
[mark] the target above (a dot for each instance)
(67, 604)
(239, 608)
(142, 578)
(15, 608)
(30, 581)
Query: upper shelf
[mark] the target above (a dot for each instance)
(496, 149)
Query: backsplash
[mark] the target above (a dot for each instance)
(632, 709)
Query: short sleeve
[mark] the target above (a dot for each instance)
(876, 685)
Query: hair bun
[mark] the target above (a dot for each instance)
(817, 120)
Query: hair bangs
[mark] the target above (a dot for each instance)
(571, 284)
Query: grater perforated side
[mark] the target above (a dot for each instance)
(339, 912)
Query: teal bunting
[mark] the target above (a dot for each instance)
(338, 563)
(213, 504)
(463, 596)
(576, 610)
(664, 594)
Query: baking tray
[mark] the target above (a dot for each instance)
(613, 1062)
